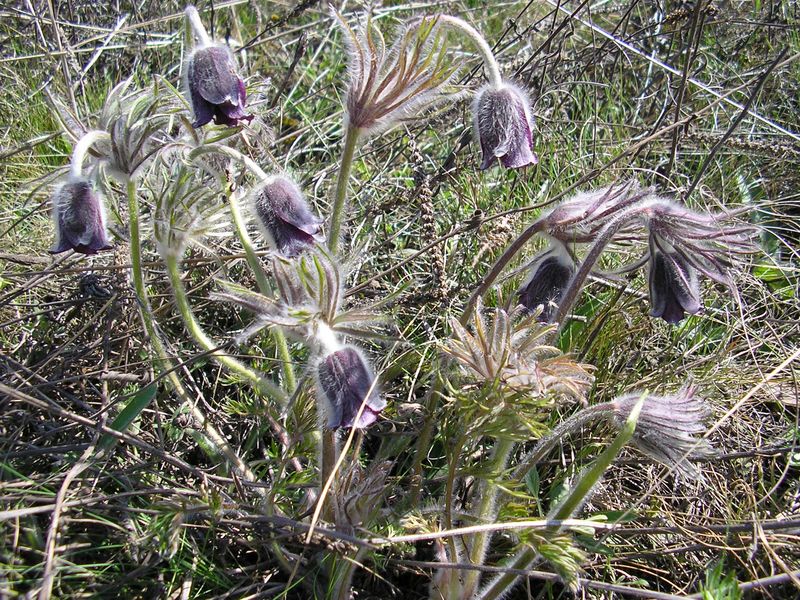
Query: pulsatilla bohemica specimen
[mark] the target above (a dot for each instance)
(212, 81)
(683, 245)
(674, 289)
(346, 382)
(284, 216)
(503, 124)
(79, 218)
(550, 274)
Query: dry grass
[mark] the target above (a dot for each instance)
(156, 516)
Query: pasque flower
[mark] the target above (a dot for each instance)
(674, 289)
(212, 81)
(346, 382)
(683, 244)
(503, 124)
(549, 275)
(284, 216)
(79, 218)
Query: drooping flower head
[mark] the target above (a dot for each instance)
(666, 427)
(683, 244)
(549, 276)
(346, 383)
(674, 289)
(504, 125)
(283, 215)
(387, 85)
(212, 80)
(580, 217)
(79, 218)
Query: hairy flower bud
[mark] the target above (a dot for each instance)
(345, 382)
(214, 87)
(79, 218)
(284, 216)
(666, 427)
(550, 274)
(674, 289)
(503, 125)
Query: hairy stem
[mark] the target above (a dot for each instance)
(579, 279)
(340, 199)
(81, 149)
(432, 397)
(563, 429)
(486, 513)
(500, 264)
(163, 362)
(265, 288)
(489, 60)
(524, 559)
(253, 261)
(197, 26)
(207, 343)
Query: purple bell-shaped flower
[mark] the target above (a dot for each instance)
(346, 382)
(674, 288)
(212, 80)
(284, 216)
(79, 218)
(215, 88)
(503, 124)
(550, 274)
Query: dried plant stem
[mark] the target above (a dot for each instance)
(163, 362)
(197, 26)
(525, 559)
(486, 512)
(340, 199)
(329, 457)
(81, 149)
(489, 60)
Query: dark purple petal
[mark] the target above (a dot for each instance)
(673, 285)
(504, 127)
(203, 110)
(79, 219)
(549, 278)
(346, 382)
(285, 217)
(230, 115)
(215, 88)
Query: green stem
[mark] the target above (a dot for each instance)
(343, 574)
(207, 343)
(501, 584)
(425, 436)
(345, 166)
(486, 513)
(249, 250)
(163, 363)
(265, 288)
